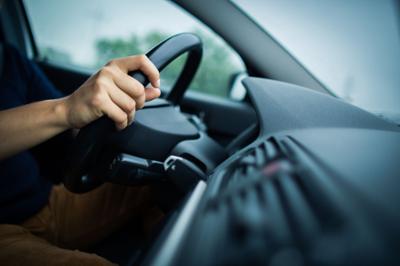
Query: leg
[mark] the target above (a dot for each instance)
(80, 220)
(19, 247)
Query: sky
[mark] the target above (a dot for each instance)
(352, 46)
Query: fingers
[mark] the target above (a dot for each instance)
(131, 87)
(124, 102)
(124, 94)
(120, 98)
(139, 62)
(115, 113)
(134, 88)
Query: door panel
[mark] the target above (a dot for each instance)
(66, 79)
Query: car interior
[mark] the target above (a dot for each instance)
(289, 175)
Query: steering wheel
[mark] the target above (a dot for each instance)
(91, 153)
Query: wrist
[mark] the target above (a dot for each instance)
(60, 110)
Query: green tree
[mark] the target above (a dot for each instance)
(214, 72)
(216, 68)
(55, 55)
(108, 49)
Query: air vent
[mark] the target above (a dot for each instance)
(278, 205)
(268, 195)
(245, 169)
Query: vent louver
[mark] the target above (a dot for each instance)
(262, 190)
(246, 168)
(268, 198)
(278, 204)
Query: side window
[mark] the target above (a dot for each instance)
(84, 34)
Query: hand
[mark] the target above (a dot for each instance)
(112, 92)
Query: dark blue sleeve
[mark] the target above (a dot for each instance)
(38, 85)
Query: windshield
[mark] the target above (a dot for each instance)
(353, 47)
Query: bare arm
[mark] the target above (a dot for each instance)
(109, 92)
(25, 126)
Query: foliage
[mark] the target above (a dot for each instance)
(55, 55)
(213, 76)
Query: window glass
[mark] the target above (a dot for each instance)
(353, 47)
(88, 34)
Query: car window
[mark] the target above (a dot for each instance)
(352, 47)
(88, 34)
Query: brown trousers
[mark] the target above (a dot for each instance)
(74, 221)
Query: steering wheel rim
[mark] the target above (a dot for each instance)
(84, 153)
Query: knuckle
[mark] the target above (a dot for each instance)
(111, 63)
(142, 59)
(157, 74)
(140, 104)
(99, 85)
(139, 89)
(131, 105)
(97, 100)
(106, 71)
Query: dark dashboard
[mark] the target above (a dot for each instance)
(318, 186)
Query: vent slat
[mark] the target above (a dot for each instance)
(249, 215)
(278, 227)
(303, 221)
(259, 155)
(270, 150)
(236, 179)
(253, 161)
(248, 160)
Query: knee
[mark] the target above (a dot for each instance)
(79, 258)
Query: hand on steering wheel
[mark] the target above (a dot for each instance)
(112, 92)
(83, 161)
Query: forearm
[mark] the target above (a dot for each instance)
(110, 91)
(26, 126)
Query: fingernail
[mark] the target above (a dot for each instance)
(130, 119)
(158, 83)
(119, 127)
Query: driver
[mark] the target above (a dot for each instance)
(42, 223)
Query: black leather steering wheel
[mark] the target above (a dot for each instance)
(83, 171)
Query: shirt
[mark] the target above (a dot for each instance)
(23, 192)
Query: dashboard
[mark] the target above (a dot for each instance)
(318, 186)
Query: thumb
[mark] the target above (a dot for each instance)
(152, 93)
